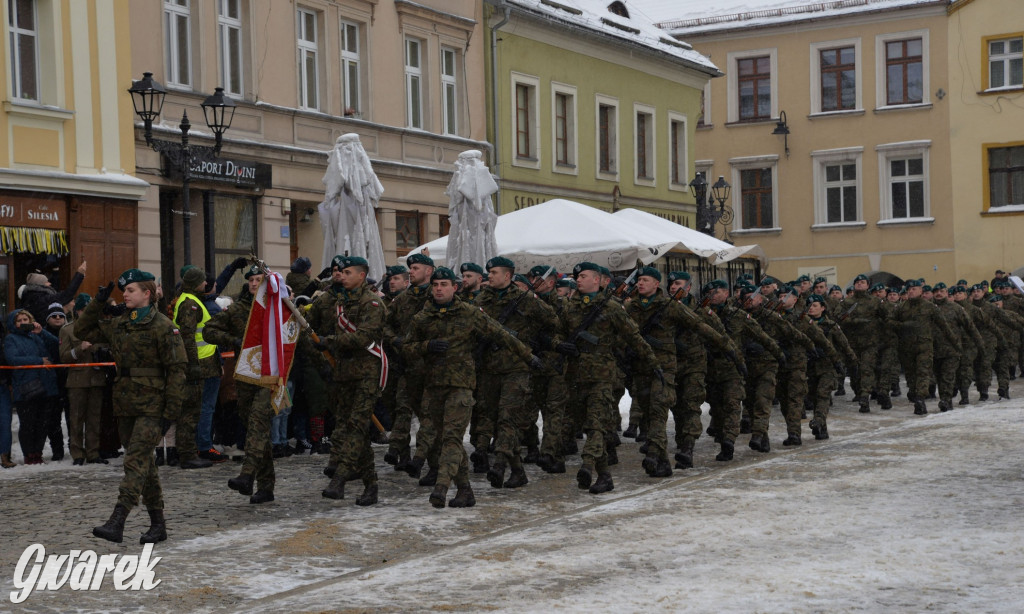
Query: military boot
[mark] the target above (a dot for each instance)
(603, 484)
(555, 466)
(613, 456)
(369, 496)
(884, 401)
(243, 483)
(822, 432)
(895, 392)
(172, 457)
(726, 452)
(196, 463)
(437, 497)
(965, 396)
(414, 467)
(481, 463)
(113, 529)
(931, 391)
(630, 432)
(261, 496)
(532, 454)
(841, 390)
(792, 440)
(945, 405)
(983, 395)
(517, 478)
(391, 457)
(403, 460)
(463, 497)
(645, 447)
(330, 470)
(641, 435)
(1004, 393)
(920, 409)
(865, 405)
(745, 426)
(496, 474)
(663, 469)
(759, 442)
(157, 528)
(334, 490)
(160, 462)
(684, 456)
(650, 463)
(431, 478)
(584, 477)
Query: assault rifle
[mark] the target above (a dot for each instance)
(846, 314)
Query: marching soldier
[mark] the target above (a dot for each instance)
(1009, 324)
(948, 356)
(864, 319)
(972, 349)
(548, 385)
(792, 389)
(821, 373)
(918, 320)
(472, 281)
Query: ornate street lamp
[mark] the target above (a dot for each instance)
(782, 129)
(720, 192)
(699, 190)
(148, 99)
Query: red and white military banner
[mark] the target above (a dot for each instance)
(374, 348)
(269, 343)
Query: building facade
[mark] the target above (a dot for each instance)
(405, 76)
(862, 180)
(67, 190)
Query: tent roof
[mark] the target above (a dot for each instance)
(706, 246)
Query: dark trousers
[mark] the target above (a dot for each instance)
(34, 423)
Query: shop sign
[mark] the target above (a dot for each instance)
(241, 173)
(33, 212)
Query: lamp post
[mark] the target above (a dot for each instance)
(218, 110)
(707, 214)
(720, 192)
(699, 189)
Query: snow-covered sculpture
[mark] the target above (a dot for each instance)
(347, 213)
(472, 217)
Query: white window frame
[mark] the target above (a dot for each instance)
(650, 147)
(614, 154)
(414, 111)
(306, 46)
(678, 159)
(733, 99)
(533, 160)
(816, 49)
(571, 166)
(831, 157)
(747, 163)
(450, 92)
(1005, 58)
(349, 59)
(881, 74)
(16, 60)
(894, 151)
(224, 26)
(171, 11)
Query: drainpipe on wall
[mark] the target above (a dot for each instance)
(495, 128)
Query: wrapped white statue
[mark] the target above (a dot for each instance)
(347, 213)
(472, 217)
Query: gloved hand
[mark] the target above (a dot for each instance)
(194, 373)
(240, 263)
(115, 310)
(660, 374)
(324, 274)
(437, 346)
(103, 294)
(536, 363)
(320, 343)
(567, 348)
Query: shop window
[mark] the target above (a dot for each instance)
(234, 233)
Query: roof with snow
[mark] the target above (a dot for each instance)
(710, 16)
(618, 20)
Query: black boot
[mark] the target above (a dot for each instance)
(965, 396)
(438, 496)
(496, 474)
(157, 528)
(431, 478)
(641, 435)
(755, 441)
(603, 484)
(613, 455)
(895, 392)
(744, 426)
(945, 405)
(532, 454)
(884, 402)
(584, 477)
(242, 483)
(261, 496)
(330, 470)
(172, 457)
(841, 391)
(649, 463)
(630, 432)
(463, 498)
(113, 529)
(684, 456)
(662, 469)
(727, 451)
(931, 391)
(822, 432)
(920, 409)
(196, 463)
(335, 490)
(555, 466)
(160, 457)
(1004, 393)
(792, 440)
(516, 479)
(481, 463)
(391, 457)
(403, 460)
(865, 405)
(983, 395)
(369, 496)
(414, 467)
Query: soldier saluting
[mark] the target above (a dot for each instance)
(150, 388)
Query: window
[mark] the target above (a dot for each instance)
(755, 88)
(607, 138)
(756, 198)
(407, 231)
(563, 137)
(413, 83)
(643, 141)
(309, 63)
(838, 79)
(837, 174)
(229, 27)
(22, 27)
(1006, 63)
(449, 90)
(177, 39)
(525, 122)
(523, 116)
(1006, 176)
(234, 221)
(677, 151)
(704, 114)
(903, 168)
(903, 71)
(350, 68)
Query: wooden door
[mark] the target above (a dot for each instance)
(105, 234)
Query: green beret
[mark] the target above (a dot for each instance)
(603, 270)
(962, 282)
(894, 290)
(861, 277)
(849, 289)
(566, 282)
(442, 272)
(816, 298)
(958, 288)
(351, 261)
(471, 267)
(747, 290)
(715, 284)
(767, 281)
(877, 287)
(253, 270)
(522, 279)
(132, 276)
(81, 301)
(926, 288)
(500, 261)
(820, 280)
(338, 262)
(977, 287)
(939, 286)
(419, 259)
(541, 269)
(396, 270)
(650, 271)
(585, 266)
(185, 269)
(913, 283)
(834, 288)
(677, 275)
(787, 289)
(802, 279)
(746, 276)
(995, 298)
(739, 284)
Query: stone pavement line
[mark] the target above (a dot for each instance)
(724, 472)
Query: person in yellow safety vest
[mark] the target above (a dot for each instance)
(191, 316)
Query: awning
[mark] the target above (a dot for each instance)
(715, 250)
(33, 241)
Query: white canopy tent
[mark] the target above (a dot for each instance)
(715, 250)
(564, 233)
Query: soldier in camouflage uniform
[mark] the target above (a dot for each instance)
(446, 334)
(149, 389)
(356, 380)
(472, 281)
(505, 380)
(889, 362)
(227, 329)
(659, 319)
(1012, 304)
(792, 389)
(190, 316)
(973, 348)
(863, 317)
(821, 372)
(1009, 324)
(593, 327)
(917, 322)
(948, 356)
(991, 335)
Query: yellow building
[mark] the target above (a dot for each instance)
(67, 190)
(862, 180)
(986, 84)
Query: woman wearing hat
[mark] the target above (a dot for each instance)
(34, 391)
(149, 389)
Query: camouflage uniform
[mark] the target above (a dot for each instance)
(550, 393)
(821, 372)
(887, 371)
(948, 355)
(409, 390)
(1009, 324)
(150, 387)
(988, 325)
(863, 317)
(793, 387)
(691, 372)
(972, 350)
(917, 319)
(764, 372)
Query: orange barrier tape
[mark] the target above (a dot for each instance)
(83, 364)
